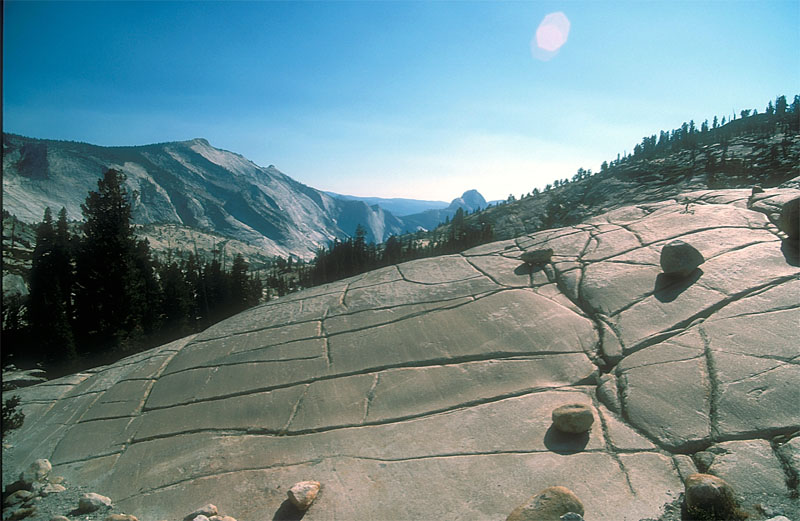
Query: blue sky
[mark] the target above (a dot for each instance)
(393, 99)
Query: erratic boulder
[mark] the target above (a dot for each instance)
(710, 495)
(537, 256)
(573, 418)
(304, 493)
(680, 259)
(120, 517)
(790, 218)
(207, 510)
(37, 471)
(91, 502)
(548, 505)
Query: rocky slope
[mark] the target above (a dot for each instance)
(189, 183)
(197, 186)
(725, 162)
(425, 390)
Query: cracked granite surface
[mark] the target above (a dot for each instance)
(424, 390)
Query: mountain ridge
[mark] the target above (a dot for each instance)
(194, 184)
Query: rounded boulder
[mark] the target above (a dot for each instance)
(548, 505)
(91, 502)
(538, 256)
(304, 493)
(573, 418)
(710, 495)
(680, 259)
(790, 218)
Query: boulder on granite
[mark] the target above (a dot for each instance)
(304, 493)
(790, 218)
(51, 488)
(679, 259)
(537, 256)
(91, 502)
(709, 495)
(548, 505)
(207, 510)
(120, 517)
(17, 497)
(37, 471)
(573, 418)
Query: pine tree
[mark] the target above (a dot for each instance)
(178, 301)
(780, 105)
(240, 285)
(50, 291)
(115, 283)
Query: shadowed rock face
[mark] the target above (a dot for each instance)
(425, 390)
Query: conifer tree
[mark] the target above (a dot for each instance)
(50, 290)
(115, 283)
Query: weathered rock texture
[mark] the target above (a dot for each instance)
(425, 390)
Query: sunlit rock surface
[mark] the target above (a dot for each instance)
(425, 390)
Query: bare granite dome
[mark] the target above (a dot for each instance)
(425, 390)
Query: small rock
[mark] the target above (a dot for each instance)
(548, 505)
(573, 418)
(221, 518)
(779, 518)
(756, 190)
(789, 222)
(201, 517)
(540, 256)
(711, 495)
(571, 516)
(207, 510)
(91, 502)
(59, 518)
(680, 259)
(22, 513)
(18, 497)
(304, 493)
(51, 488)
(56, 480)
(37, 471)
(120, 517)
(704, 460)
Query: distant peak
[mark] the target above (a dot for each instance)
(470, 200)
(201, 141)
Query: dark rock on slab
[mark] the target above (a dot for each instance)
(574, 418)
(548, 505)
(708, 494)
(537, 256)
(790, 218)
(680, 259)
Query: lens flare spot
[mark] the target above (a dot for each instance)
(551, 35)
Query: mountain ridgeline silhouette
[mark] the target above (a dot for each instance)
(195, 185)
